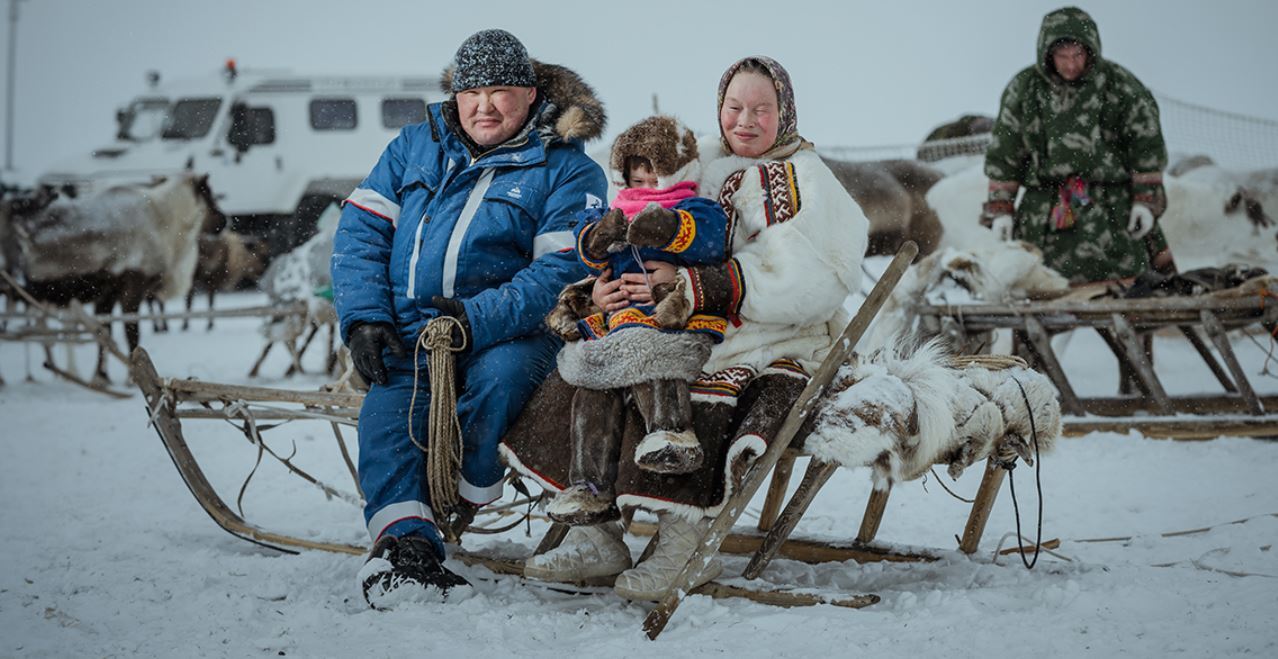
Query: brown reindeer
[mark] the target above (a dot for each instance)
(891, 193)
(226, 260)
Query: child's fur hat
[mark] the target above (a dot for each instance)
(670, 146)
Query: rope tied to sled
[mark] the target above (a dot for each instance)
(443, 447)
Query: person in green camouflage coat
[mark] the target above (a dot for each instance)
(1081, 134)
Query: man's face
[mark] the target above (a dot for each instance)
(492, 115)
(1070, 60)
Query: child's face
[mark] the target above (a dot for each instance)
(641, 176)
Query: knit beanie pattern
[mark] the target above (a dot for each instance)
(492, 58)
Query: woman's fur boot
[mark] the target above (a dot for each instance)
(587, 552)
(677, 538)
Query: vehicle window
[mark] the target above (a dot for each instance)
(143, 120)
(400, 112)
(333, 114)
(250, 126)
(191, 118)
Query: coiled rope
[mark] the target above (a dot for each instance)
(443, 447)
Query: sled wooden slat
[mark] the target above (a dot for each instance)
(1144, 370)
(1126, 369)
(196, 390)
(981, 507)
(1201, 348)
(1041, 344)
(723, 522)
(1218, 338)
(818, 473)
(1201, 404)
(806, 550)
(552, 539)
(873, 517)
(349, 415)
(776, 490)
(1183, 428)
(242, 312)
(1150, 307)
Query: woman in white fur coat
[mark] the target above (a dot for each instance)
(796, 243)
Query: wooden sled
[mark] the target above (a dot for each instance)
(170, 401)
(1125, 326)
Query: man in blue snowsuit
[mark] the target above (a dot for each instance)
(470, 215)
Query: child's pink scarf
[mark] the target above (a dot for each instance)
(633, 200)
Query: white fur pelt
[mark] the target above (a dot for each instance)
(148, 228)
(900, 414)
(1217, 216)
(995, 273)
(992, 415)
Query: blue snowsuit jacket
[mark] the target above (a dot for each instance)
(495, 231)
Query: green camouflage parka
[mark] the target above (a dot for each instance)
(1084, 151)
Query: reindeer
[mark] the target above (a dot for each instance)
(118, 246)
(892, 194)
(226, 260)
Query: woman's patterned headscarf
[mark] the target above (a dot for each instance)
(788, 119)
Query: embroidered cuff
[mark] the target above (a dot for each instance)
(718, 290)
(684, 235)
(593, 261)
(1003, 190)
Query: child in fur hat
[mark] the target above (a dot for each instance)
(654, 349)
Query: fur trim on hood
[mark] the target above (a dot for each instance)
(567, 108)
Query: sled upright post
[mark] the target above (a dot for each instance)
(806, 403)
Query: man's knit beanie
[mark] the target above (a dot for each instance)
(492, 58)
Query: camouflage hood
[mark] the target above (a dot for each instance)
(1067, 23)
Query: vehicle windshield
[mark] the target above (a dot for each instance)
(191, 118)
(143, 120)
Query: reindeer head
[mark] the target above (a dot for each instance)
(214, 220)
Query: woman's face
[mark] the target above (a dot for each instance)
(750, 115)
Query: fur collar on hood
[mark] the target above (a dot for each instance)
(566, 109)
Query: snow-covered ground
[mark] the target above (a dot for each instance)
(105, 553)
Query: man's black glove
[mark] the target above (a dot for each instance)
(368, 340)
(462, 337)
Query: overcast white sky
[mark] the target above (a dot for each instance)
(866, 73)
